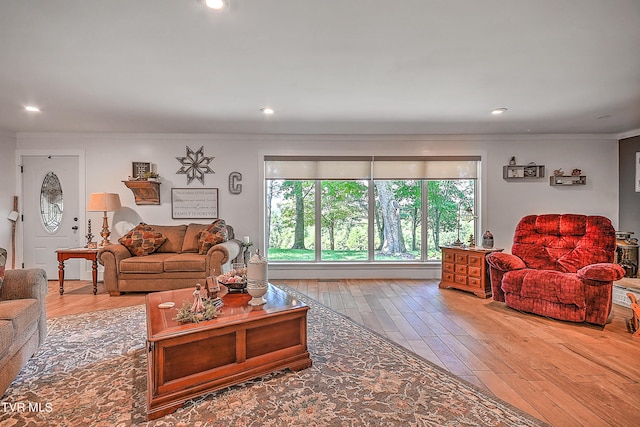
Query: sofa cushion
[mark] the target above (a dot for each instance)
(22, 313)
(546, 285)
(211, 235)
(185, 262)
(7, 336)
(153, 263)
(191, 243)
(142, 240)
(175, 237)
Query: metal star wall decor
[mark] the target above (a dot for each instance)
(195, 165)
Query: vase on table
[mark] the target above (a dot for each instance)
(257, 289)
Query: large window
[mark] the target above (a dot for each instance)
(362, 209)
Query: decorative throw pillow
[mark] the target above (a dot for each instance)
(142, 240)
(211, 235)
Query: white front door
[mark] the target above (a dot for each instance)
(50, 192)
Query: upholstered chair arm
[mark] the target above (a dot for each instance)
(505, 262)
(28, 283)
(219, 257)
(602, 272)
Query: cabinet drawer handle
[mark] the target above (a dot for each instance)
(474, 282)
(461, 280)
(475, 271)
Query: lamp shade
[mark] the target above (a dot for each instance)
(104, 202)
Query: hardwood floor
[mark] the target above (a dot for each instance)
(563, 373)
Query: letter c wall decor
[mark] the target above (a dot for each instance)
(234, 187)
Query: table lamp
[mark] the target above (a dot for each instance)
(104, 202)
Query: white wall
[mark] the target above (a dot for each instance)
(502, 203)
(7, 188)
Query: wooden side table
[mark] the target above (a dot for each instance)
(84, 253)
(466, 269)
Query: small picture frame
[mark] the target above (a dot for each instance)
(139, 169)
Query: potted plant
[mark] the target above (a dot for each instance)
(151, 176)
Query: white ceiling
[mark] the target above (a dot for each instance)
(325, 66)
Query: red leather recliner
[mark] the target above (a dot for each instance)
(560, 266)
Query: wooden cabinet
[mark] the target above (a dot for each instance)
(466, 269)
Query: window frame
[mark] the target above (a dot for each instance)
(475, 170)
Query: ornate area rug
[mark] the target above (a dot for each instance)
(92, 371)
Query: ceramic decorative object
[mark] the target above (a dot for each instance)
(257, 268)
(257, 290)
(487, 240)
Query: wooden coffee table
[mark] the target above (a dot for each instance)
(244, 342)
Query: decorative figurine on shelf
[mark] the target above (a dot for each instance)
(90, 243)
(198, 305)
(558, 172)
(512, 161)
(472, 241)
(576, 172)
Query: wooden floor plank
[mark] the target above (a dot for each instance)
(563, 373)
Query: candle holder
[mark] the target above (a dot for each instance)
(90, 243)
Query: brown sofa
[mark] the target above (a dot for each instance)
(23, 320)
(175, 264)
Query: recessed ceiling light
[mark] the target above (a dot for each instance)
(216, 4)
(498, 111)
(267, 110)
(31, 108)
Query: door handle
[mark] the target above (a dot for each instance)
(74, 228)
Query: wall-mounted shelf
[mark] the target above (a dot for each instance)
(567, 180)
(145, 192)
(516, 172)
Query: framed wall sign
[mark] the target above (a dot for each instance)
(194, 203)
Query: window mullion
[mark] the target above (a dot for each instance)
(318, 222)
(424, 229)
(371, 220)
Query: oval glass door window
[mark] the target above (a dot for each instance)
(51, 203)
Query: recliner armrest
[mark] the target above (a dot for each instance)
(602, 272)
(505, 262)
